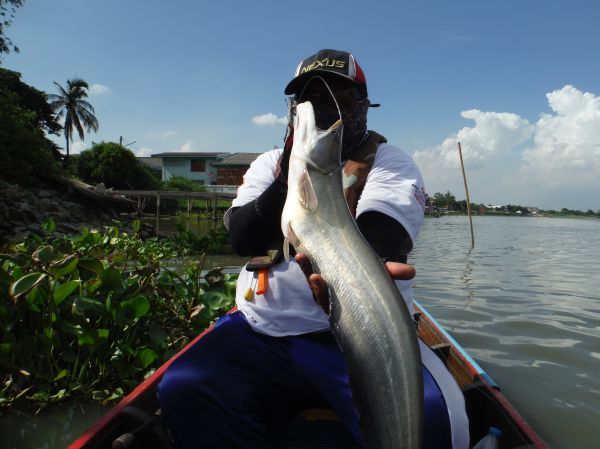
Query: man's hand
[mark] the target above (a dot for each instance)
(318, 285)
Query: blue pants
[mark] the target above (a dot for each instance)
(235, 384)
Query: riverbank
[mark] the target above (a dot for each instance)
(549, 214)
(23, 210)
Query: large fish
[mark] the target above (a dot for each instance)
(368, 317)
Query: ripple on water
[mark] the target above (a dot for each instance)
(525, 303)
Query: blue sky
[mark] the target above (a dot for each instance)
(516, 81)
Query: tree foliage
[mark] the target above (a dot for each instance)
(78, 112)
(25, 117)
(183, 184)
(448, 201)
(570, 212)
(115, 166)
(30, 98)
(444, 200)
(7, 12)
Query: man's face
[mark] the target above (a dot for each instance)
(326, 112)
(353, 106)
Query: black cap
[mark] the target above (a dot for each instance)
(326, 62)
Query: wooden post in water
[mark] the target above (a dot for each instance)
(462, 166)
(157, 211)
(214, 212)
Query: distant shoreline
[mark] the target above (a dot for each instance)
(461, 214)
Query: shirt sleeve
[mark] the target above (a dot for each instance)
(259, 176)
(395, 187)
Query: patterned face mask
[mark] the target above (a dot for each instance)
(353, 107)
(355, 127)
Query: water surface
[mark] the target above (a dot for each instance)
(524, 302)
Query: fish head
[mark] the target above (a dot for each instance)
(320, 149)
(315, 152)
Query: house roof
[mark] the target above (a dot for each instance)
(242, 159)
(154, 163)
(189, 154)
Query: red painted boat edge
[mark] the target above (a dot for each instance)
(480, 374)
(518, 419)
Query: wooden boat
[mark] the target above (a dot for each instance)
(135, 421)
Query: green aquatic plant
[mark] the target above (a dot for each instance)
(93, 314)
(216, 240)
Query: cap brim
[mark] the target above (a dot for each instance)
(297, 83)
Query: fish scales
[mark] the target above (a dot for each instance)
(368, 318)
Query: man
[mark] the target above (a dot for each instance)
(275, 356)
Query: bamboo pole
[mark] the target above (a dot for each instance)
(462, 166)
(157, 213)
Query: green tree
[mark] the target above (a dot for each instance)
(78, 112)
(115, 166)
(7, 12)
(183, 184)
(25, 119)
(445, 200)
(31, 99)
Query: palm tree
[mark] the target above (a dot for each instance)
(78, 112)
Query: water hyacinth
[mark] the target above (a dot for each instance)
(93, 314)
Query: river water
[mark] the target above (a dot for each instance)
(524, 302)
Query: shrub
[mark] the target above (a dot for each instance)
(115, 166)
(183, 185)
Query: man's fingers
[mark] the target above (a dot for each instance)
(315, 281)
(320, 291)
(401, 271)
(305, 264)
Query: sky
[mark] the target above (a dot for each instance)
(516, 82)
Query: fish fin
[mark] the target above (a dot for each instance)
(306, 192)
(286, 249)
(291, 239)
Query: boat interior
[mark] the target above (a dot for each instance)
(138, 425)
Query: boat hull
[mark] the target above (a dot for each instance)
(486, 406)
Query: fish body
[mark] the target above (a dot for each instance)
(368, 316)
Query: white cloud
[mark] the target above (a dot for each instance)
(268, 119)
(566, 149)
(144, 152)
(77, 147)
(99, 89)
(494, 135)
(552, 163)
(189, 146)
